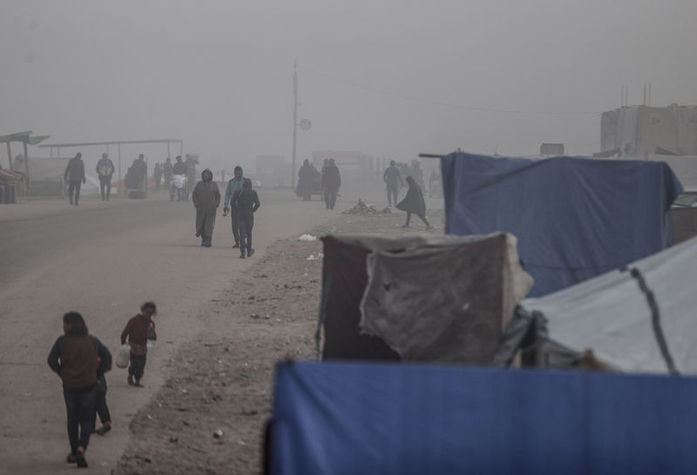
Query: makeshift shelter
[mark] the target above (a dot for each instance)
(10, 184)
(639, 319)
(574, 218)
(440, 298)
(349, 418)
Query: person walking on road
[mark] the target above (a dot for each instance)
(75, 358)
(393, 180)
(206, 198)
(178, 186)
(233, 185)
(75, 177)
(414, 203)
(100, 401)
(331, 182)
(137, 332)
(167, 172)
(105, 169)
(308, 175)
(157, 176)
(245, 202)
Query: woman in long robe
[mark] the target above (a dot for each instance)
(414, 203)
(206, 198)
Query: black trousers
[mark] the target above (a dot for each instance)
(137, 366)
(74, 191)
(235, 225)
(105, 186)
(392, 193)
(245, 223)
(100, 401)
(330, 198)
(79, 405)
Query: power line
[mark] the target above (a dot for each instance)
(415, 99)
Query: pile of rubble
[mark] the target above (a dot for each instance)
(366, 210)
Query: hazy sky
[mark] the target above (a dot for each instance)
(386, 77)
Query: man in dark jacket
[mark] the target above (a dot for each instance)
(105, 169)
(233, 186)
(140, 173)
(331, 182)
(75, 177)
(206, 198)
(178, 174)
(393, 180)
(245, 202)
(75, 357)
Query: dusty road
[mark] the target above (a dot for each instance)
(103, 260)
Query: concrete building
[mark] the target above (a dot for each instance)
(641, 130)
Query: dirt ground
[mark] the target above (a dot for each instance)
(222, 379)
(103, 260)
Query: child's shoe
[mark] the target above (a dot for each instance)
(106, 427)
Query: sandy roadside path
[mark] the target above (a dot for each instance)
(106, 281)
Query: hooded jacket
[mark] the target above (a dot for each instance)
(206, 194)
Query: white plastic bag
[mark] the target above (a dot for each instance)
(124, 356)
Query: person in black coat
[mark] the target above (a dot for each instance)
(246, 202)
(75, 177)
(414, 203)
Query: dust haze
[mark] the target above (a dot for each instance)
(388, 78)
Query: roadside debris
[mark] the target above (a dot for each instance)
(363, 209)
(307, 237)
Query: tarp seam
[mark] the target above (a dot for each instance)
(655, 320)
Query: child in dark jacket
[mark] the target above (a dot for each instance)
(100, 403)
(75, 357)
(138, 331)
(245, 202)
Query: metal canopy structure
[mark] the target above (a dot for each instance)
(118, 144)
(25, 138)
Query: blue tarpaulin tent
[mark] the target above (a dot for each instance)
(348, 418)
(574, 218)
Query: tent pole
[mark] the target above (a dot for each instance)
(9, 154)
(119, 153)
(26, 170)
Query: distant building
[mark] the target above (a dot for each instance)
(641, 130)
(556, 149)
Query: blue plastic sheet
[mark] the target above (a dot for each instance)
(575, 218)
(348, 418)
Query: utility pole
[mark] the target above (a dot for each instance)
(295, 121)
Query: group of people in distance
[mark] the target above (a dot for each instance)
(74, 176)
(81, 361)
(135, 178)
(327, 182)
(240, 200)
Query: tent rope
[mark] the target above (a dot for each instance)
(655, 319)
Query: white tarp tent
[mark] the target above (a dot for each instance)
(612, 315)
